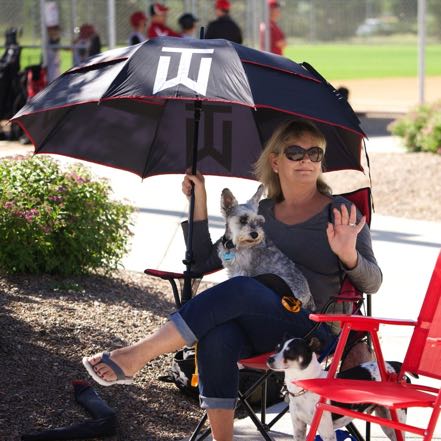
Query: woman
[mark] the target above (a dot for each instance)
(241, 317)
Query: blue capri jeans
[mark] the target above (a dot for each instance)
(236, 319)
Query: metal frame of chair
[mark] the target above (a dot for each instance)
(362, 199)
(423, 357)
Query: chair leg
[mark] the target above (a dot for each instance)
(277, 418)
(315, 421)
(260, 424)
(394, 417)
(354, 432)
(262, 428)
(263, 399)
(194, 436)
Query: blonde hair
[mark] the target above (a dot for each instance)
(285, 132)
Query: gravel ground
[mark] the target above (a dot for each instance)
(47, 324)
(403, 184)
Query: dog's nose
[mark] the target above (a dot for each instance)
(254, 235)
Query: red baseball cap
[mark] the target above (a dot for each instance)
(137, 17)
(223, 4)
(86, 30)
(158, 9)
(273, 4)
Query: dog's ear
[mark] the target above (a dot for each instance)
(315, 344)
(228, 201)
(254, 201)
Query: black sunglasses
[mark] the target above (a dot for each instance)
(297, 153)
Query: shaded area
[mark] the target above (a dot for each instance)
(404, 238)
(103, 421)
(48, 324)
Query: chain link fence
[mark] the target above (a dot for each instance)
(26, 15)
(307, 21)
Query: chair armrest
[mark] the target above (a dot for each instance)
(360, 321)
(168, 274)
(176, 279)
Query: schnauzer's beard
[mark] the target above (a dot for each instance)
(248, 242)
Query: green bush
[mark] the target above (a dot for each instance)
(58, 222)
(420, 128)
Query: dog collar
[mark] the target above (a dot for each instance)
(297, 394)
(227, 243)
(229, 253)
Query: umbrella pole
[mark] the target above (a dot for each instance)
(187, 291)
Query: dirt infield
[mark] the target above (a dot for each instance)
(389, 94)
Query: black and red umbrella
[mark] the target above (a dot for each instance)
(172, 103)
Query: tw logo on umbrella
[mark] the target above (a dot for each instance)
(217, 136)
(182, 77)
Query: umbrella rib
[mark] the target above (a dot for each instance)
(54, 130)
(153, 141)
(105, 94)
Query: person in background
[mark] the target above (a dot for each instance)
(52, 49)
(277, 37)
(158, 19)
(343, 92)
(224, 26)
(138, 22)
(53, 52)
(87, 43)
(187, 23)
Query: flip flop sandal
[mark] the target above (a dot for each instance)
(121, 378)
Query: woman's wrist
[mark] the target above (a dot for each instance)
(350, 260)
(200, 215)
(200, 208)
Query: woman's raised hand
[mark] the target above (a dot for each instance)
(342, 234)
(200, 194)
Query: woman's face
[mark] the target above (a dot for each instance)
(303, 171)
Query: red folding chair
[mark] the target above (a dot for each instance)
(423, 357)
(362, 199)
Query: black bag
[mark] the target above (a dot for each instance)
(183, 368)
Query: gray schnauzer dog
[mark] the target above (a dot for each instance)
(245, 251)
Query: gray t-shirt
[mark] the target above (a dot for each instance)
(307, 245)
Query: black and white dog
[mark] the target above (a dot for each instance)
(297, 359)
(245, 251)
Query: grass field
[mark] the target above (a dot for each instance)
(357, 61)
(334, 61)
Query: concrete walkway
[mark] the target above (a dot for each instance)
(406, 250)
